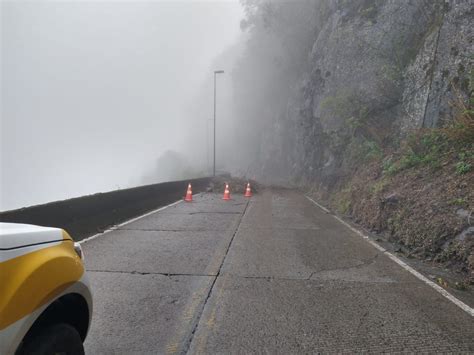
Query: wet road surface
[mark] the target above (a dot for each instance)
(270, 274)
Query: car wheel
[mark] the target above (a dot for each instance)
(56, 339)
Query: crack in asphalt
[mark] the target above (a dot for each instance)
(267, 278)
(168, 274)
(198, 318)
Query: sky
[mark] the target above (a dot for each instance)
(93, 93)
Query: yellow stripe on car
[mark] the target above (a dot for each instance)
(32, 280)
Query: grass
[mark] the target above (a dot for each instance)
(431, 147)
(364, 150)
(458, 202)
(379, 186)
(343, 201)
(463, 168)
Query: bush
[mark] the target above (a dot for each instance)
(461, 129)
(363, 150)
(430, 146)
(410, 159)
(342, 201)
(463, 167)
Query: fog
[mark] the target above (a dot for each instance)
(104, 95)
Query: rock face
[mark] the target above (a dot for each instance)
(377, 69)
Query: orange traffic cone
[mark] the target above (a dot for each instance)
(189, 194)
(226, 192)
(248, 191)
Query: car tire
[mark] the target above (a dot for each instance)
(56, 339)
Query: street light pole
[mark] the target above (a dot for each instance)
(215, 75)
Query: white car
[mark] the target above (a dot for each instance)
(45, 298)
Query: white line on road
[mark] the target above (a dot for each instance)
(408, 268)
(317, 204)
(129, 221)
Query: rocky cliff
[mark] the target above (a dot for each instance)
(368, 73)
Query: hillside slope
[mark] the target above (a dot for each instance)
(339, 93)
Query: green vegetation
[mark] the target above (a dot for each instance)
(395, 222)
(458, 202)
(361, 150)
(345, 106)
(352, 130)
(464, 164)
(430, 151)
(379, 186)
(425, 149)
(432, 147)
(342, 200)
(461, 285)
(362, 141)
(463, 167)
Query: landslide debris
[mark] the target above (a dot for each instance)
(237, 185)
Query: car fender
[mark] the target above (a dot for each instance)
(31, 281)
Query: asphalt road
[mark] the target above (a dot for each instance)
(273, 274)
